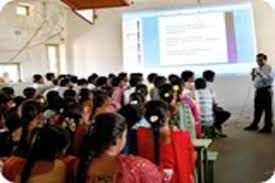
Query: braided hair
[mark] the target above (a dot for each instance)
(156, 114)
(107, 128)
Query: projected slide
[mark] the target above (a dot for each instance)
(219, 37)
(193, 39)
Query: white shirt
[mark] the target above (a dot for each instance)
(127, 94)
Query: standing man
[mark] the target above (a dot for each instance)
(263, 79)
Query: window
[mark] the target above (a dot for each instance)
(23, 10)
(53, 58)
(12, 71)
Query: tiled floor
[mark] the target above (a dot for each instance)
(244, 157)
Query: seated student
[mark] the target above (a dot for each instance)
(143, 90)
(50, 78)
(170, 149)
(178, 87)
(124, 77)
(42, 163)
(31, 115)
(118, 89)
(101, 82)
(158, 81)
(181, 115)
(220, 115)
(92, 81)
(10, 138)
(188, 78)
(101, 160)
(102, 103)
(8, 91)
(150, 79)
(134, 81)
(205, 100)
(29, 93)
(71, 119)
(6, 104)
(38, 79)
(70, 94)
(133, 116)
(53, 107)
(64, 84)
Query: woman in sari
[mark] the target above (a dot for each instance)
(101, 160)
(181, 115)
(169, 148)
(41, 164)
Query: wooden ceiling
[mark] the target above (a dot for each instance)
(95, 4)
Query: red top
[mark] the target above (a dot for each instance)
(178, 155)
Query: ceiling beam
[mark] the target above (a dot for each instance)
(95, 4)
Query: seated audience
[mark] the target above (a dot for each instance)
(102, 161)
(92, 81)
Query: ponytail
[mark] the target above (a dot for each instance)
(155, 114)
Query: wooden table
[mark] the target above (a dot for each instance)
(201, 146)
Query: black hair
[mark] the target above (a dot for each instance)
(69, 94)
(166, 93)
(29, 92)
(4, 98)
(101, 81)
(172, 77)
(107, 128)
(82, 82)
(64, 82)
(13, 122)
(262, 55)
(46, 143)
(156, 113)
(134, 81)
(142, 89)
(151, 77)
(159, 80)
(116, 81)
(186, 75)
(99, 99)
(132, 114)
(111, 76)
(200, 83)
(18, 101)
(177, 84)
(54, 101)
(37, 77)
(84, 95)
(50, 76)
(74, 79)
(123, 75)
(8, 91)
(137, 99)
(92, 78)
(28, 111)
(208, 75)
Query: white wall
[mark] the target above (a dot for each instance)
(100, 49)
(34, 60)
